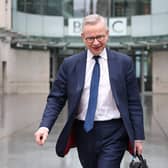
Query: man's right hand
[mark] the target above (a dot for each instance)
(41, 135)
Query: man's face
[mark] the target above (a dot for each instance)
(95, 37)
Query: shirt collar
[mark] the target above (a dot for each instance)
(103, 54)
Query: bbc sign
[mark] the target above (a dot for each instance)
(117, 26)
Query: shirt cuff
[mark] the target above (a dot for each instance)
(44, 128)
(137, 140)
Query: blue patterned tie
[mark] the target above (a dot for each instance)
(89, 120)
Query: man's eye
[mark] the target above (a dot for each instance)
(91, 38)
(98, 37)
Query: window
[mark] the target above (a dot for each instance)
(43, 7)
(123, 7)
(20, 5)
(52, 7)
(130, 7)
(76, 8)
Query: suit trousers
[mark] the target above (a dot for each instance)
(103, 146)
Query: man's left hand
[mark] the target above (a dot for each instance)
(138, 147)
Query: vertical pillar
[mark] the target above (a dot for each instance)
(2, 94)
(142, 78)
(3, 76)
(142, 72)
(53, 64)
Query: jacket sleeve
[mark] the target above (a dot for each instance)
(56, 98)
(134, 103)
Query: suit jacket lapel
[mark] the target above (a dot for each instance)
(112, 75)
(80, 71)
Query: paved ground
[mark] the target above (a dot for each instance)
(19, 118)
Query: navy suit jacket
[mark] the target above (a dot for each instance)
(69, 84)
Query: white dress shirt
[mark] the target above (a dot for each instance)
(106, 106)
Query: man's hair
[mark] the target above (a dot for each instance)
(94, 19)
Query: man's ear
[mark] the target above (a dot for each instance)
(107, 32)
(83, 37)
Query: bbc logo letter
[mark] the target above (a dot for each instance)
(74, 26)
(118, 26)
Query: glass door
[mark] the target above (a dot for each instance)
(143, 66)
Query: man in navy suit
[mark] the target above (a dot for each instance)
(118, 115)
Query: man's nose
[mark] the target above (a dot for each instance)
(95, 41)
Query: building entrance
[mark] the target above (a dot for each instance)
(142, 60)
